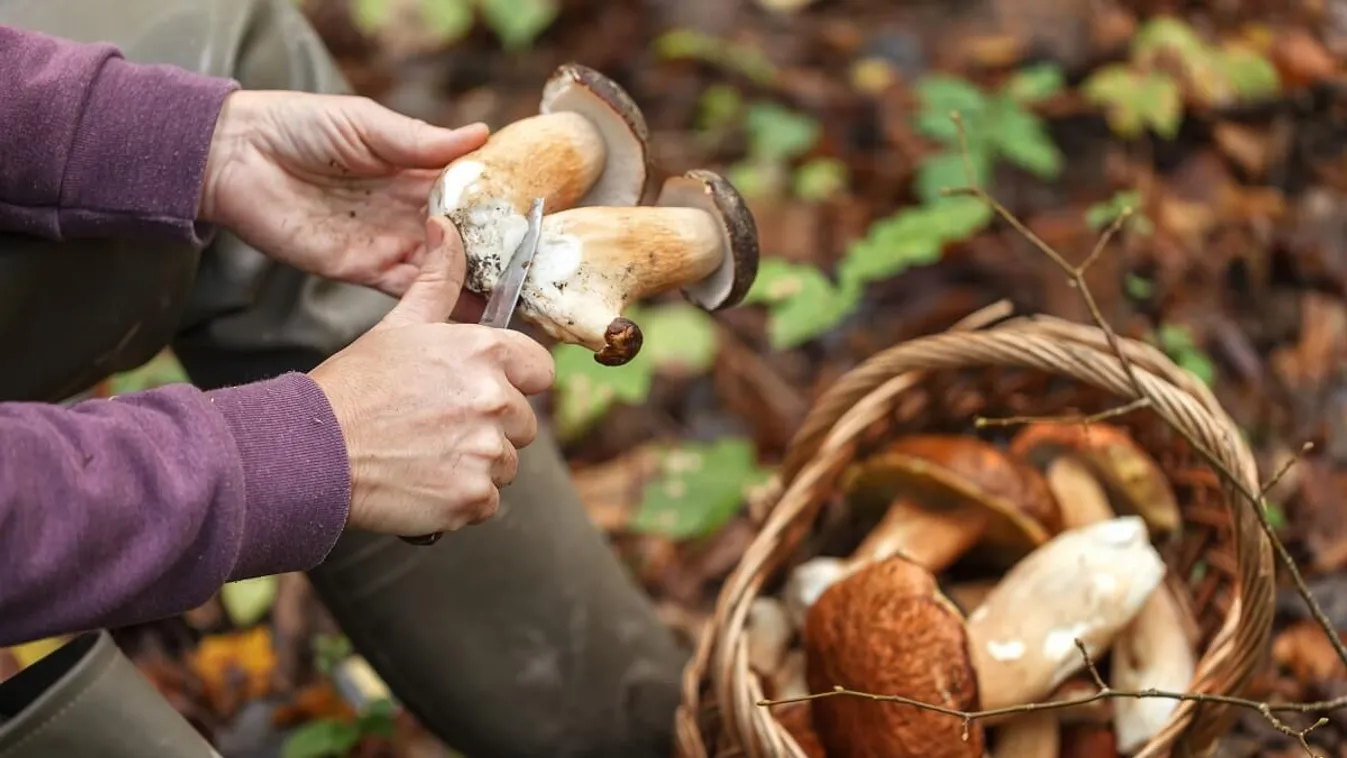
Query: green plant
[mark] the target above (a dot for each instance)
(1104, 213)
(739, 58)
(248, 600)
(804, 303)
(162, 369)
(1168, 59)
(1177, 342)
(334, 738)
(700, 486)
(516, 23)
(679, 339)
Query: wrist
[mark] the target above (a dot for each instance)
(228, 146)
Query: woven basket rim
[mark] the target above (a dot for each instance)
(986, 338)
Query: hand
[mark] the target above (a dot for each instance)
(333, 185)
(433, 413)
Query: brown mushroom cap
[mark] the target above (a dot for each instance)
(886, 629)
(711, 192)
(957, 472)
(1131, 475)
(580, 89)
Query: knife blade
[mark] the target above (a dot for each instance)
(504, 297)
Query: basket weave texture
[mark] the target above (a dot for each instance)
(1028, 366)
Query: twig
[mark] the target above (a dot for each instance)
(1104, 692)
(1077, 276)
(982, 422)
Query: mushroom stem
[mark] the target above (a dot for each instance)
(1086, 583)
(1036, 734)
(593, 263)
(1153, 650)
(933, 539)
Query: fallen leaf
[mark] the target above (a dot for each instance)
(1307, 653)
(237, 665)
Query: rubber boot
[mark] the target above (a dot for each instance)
(520, 637)
(87, 700)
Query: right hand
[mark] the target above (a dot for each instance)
(433, 413)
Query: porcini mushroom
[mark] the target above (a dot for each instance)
(1153, 651)
(1036, 734)
(1086, 583)
(1132, 476)
(886, 629)
(947, 493)
(595, 261)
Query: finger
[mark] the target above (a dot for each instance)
(431, 298)
(408, 142)
(527, 364)
(518, 422)
(505, 467)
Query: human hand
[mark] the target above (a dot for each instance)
(433, 413)
(333, 185)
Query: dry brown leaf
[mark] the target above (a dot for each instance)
(1303, 649)
(234, 665)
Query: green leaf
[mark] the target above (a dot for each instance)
(821, 179)
(325, 738)
(1251, 75)
(248, 600)
(378, 718)
(777, 133)
(700, 487)
(756, 179)
(940, 95)
(802, 302)
(369, 16)
(450, 19)
(586, 390)
(720, 106)
(1134, 101)
(679, 337)
(1276, 516)
(914, 236)
(517, 23)
(684, 43)
(160, 370)
(1033, 84)
(949, 170)
(1177, 342)
(1138, 288)
(1022, 139)
(1163, 33)
(957, 218)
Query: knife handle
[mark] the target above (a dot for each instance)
(421, 541)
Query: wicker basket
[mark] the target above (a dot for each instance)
(1037, 366)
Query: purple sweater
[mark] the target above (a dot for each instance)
(138, 507)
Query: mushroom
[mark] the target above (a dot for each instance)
(1131, 475)
(593, 262)
(1035, 734)
(1086, 583)
(797, 720)
(1154, 650)
(886, 629)
(586, 155)
(768, 633)
(947, 493)
(807, 581)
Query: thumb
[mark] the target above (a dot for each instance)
(432, 297)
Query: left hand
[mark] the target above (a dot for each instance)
(333, 185)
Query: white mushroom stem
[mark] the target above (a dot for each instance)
(1084, 584)
(592, 263)
(789, 680)
(1036, 734)
(934, 539)
(807, 581)
(1151, 652)
(768, 634)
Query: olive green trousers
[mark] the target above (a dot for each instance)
(520, 637)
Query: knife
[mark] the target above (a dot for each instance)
(500, 306)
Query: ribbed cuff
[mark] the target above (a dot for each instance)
(138, 159)
(297, 476)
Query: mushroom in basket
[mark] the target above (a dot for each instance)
(1156, 650)
(586, 156)
(944, 495)
(886, 629)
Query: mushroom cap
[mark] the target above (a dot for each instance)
(954, 471)
(1126, 470)
(713, 193)
(580, 89)
(886, 629)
